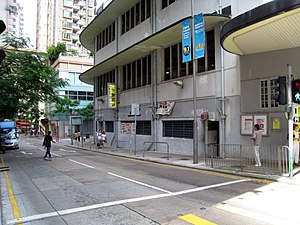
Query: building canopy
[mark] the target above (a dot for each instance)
(269, 27)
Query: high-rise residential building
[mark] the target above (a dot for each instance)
(12, 13)
(61, 21)
(64, 22)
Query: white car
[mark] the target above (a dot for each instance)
(11, 143)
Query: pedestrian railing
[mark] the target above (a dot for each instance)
(129, 142)
(274, 160)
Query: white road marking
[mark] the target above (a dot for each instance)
(137, 182)
(66, 150)
(81, 163)
(119, 202)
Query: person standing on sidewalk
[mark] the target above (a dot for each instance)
(47, 143)
(257, 138)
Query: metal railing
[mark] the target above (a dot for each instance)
(274, 159)
(130, 143)
(157, 142)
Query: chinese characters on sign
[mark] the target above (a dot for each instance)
(112, 97)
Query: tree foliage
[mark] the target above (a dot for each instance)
(87, 112)
(66, 105)
(25, 80)
(54, 51)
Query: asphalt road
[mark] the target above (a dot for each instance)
(84, 187)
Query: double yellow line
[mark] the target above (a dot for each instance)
(12, 199)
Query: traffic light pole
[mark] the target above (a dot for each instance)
(290, 120)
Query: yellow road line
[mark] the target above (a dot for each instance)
(191, 218)
(13, 201)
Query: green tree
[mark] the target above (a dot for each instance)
(25, 80)
(87, 112)
(66, 105)
(54, 51)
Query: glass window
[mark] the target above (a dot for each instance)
(124, 78)
(137, 14)
(109, 126)
(123, 24)
(148, 8)
(133, 75)
(143, 10)
(144, 70)
(210, 39)
(139, 73)
(174, 53)
(167, 63)
(127, 21)
(132, 15)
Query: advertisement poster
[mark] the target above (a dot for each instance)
(186, 41)
(127, 128)
(112, 97)
(247, 125)
(261, 120)
(199, 36)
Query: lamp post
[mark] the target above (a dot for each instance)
(195, 124)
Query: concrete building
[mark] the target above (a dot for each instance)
(139, 49)
(12, 13)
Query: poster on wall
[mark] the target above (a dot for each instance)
(261, 120)
(276, 124)
(247, 125)
(127, 128)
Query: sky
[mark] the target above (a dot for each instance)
(30, 15)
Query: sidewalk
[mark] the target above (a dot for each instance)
(178, 160)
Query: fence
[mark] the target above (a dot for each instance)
(275, 160)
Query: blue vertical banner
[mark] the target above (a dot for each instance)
(199, 35)
(186, 41)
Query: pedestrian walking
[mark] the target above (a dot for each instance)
(47, 143)
(257, 139)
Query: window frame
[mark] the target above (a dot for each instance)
(266, 92)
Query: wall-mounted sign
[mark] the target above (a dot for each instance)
(261, 120)
(165, 107)
(112, 96)
(247, 125)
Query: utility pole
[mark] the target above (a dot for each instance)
(290, 120)
(195, 138)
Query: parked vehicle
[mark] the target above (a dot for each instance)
(9, 135)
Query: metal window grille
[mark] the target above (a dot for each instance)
(143, 127)
(178, 129)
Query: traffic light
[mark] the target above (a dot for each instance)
(280, 90)
(2, 28)
(296, 91)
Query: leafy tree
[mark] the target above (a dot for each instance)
(66, 105)
(87, 112)
(54, 51)
(25, 80)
